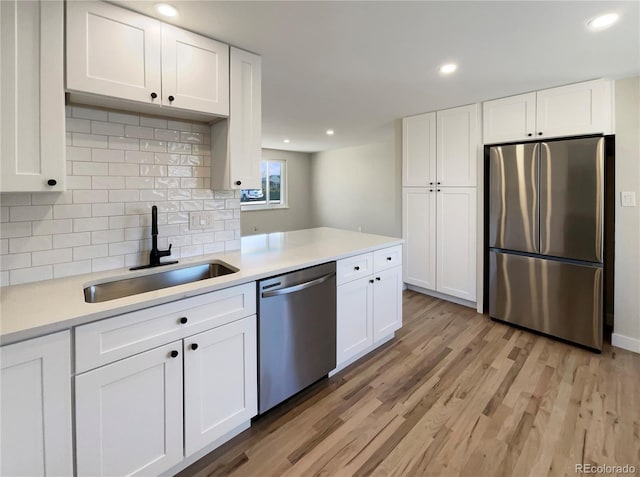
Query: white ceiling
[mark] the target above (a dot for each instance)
(357, 66)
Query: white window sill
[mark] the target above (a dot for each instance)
(249, 208)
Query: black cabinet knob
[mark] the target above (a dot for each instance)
(238, 182)
(438, 183)
(389, 259)
(174, 354)
(356, 268)
(154, 95)
(183, 320)
(52, 182)
(439, 190)
(377, 279)
(371, 281)
(171, 98)
(430, 183)
(430, 190)
(194, 346)
(529, 134)
(540, 133)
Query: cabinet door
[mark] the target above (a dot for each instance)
(32, 107)
(581, 108)
(245, 123)
(112, 52)
(195, 72)
(419, 150)
(354, 319)
(509, 119)
(129, 415)
(35, 403)
(457, 242)
(387, 302)
(220, 382)
(419, 233)
(457, 146)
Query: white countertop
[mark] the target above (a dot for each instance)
(40, 308)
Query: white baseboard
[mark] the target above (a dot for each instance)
(442, 296)
(625, 342)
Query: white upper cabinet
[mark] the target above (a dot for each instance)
(35, 400)
(195, 72)
(458, 137)
(32, 148)
(509, 119)
(419, 150)
(237, 142)
(582, 108)
(119, 54)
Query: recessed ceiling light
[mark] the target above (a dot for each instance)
(603, 21)
(166, 10)
(286, 141)
(330, 132)
(448, 68)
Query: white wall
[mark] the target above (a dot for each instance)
(298, 214)
(118, 166)
(359, 187)
(626, 333)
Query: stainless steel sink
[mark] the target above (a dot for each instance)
(106, 291)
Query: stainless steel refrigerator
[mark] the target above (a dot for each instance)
(546, 221)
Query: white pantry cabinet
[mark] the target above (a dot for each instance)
(117, 53)
(575, 109)
(369, 308)
(458, 139)
(419, 232)
(32, 141)
(237, 142)
(129, 415)
(35, 404)
(419, 150)
(220, 384)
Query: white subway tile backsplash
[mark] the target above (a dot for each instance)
(30, 244)
(106, 128)
(24, 213)
(107, 155)
(71, 240)
(50, 227)
(118, 165)
(89, 225)
(49, 257)
(71, 211)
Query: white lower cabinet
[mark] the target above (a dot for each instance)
(129, 415)
(35, 405)
(368, 308)
(220, 382)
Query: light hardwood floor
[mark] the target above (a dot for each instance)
(453, 394)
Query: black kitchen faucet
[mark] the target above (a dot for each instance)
(155, 255)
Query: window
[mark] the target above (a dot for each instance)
(274, 188)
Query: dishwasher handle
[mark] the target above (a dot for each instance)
(298, 287)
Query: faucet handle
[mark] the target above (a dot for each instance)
(165, 253)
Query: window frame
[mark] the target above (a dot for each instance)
(283, 203)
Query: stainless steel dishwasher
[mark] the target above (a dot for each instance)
(296, 332)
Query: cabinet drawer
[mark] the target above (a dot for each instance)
(387, 258)
(353, 268)
(115, 338)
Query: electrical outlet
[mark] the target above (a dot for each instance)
(628, 199)
(201, 219)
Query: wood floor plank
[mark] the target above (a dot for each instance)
(454, 394)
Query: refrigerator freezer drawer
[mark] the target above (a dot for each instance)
(558, 298)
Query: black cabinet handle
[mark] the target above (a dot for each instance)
(183, 320)
(540, 133)
(377, 279)
(430, 190)
(371, 281)
(430, 183)
(356, 268)
(439, 190)
(389, 258)
(174, 354)
(438, 183)
(194, 346)
(171, 98)
(238, 182)
(529, 134)
(52, 182)
(154, 95)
